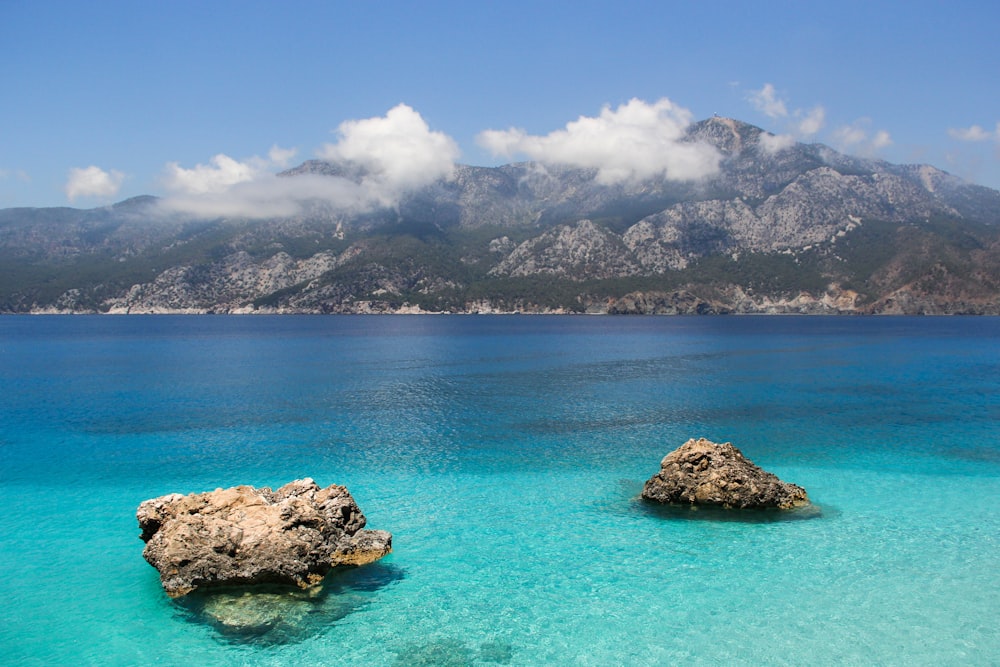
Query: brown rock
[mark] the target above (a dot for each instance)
(244, 535)
(701, 472)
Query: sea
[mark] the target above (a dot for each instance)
(506, 455)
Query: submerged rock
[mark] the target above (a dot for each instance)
(245, 613)
(701, 472)
(244, 535)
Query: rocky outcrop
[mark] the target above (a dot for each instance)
(245, 535)
(222, 286)
(679, 302)
(701, 472)
(574, 251)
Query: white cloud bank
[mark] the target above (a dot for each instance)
(268, 195)
(93, 181)
(218, 176)
(393, 154)
(398, 151)
(226, 187)
(975, 133)
(772, 143)
(635, 141)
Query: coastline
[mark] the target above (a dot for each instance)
(729, 300)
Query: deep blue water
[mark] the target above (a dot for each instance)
(506, 455)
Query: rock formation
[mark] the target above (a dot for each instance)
(701, 472)
(244, 535)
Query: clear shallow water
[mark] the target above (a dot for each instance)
(506, 455)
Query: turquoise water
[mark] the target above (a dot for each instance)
(506, 455)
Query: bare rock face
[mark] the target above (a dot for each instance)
(582, 248)
(244, 535)
(701, 472)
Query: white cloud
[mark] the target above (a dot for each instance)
(222, 173)
(765, 101)
(803, 124)
(772, 143)
(93, 181)
(810, 122)
(19, 175)
(848, 136)
(973, 133)
(396, 153)
(881, 140)
(799, 123)
(635, 141)
(250, 189)
(855, 138)
(281, 157)
(272, 196)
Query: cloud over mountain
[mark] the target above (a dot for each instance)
(635, 141)
(767, 102)
(393, 154)
(93, 181)
(802, 123)
(398, 151)
(219, 175)
(855, 137)
(772, 143)
(269, 195)
(808, 123)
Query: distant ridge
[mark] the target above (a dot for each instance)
(784, 227)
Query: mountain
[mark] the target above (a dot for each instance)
(783, 227)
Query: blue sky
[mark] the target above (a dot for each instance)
(106, 100)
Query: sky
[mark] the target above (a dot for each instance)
(202, 103)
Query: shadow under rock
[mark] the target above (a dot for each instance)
(271, 614)
(722, 514)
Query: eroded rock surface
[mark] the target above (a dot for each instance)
(245, 535)
(701, 472)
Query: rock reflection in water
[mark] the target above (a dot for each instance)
(723, 514)
(280, 614)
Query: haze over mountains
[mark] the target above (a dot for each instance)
(766, 225)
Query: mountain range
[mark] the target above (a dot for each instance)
(783, 227)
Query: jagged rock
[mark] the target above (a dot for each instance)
(679, 302)
(701, 472)
(244, 535)
(580, 249)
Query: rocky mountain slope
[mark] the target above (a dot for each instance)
(783, 227)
